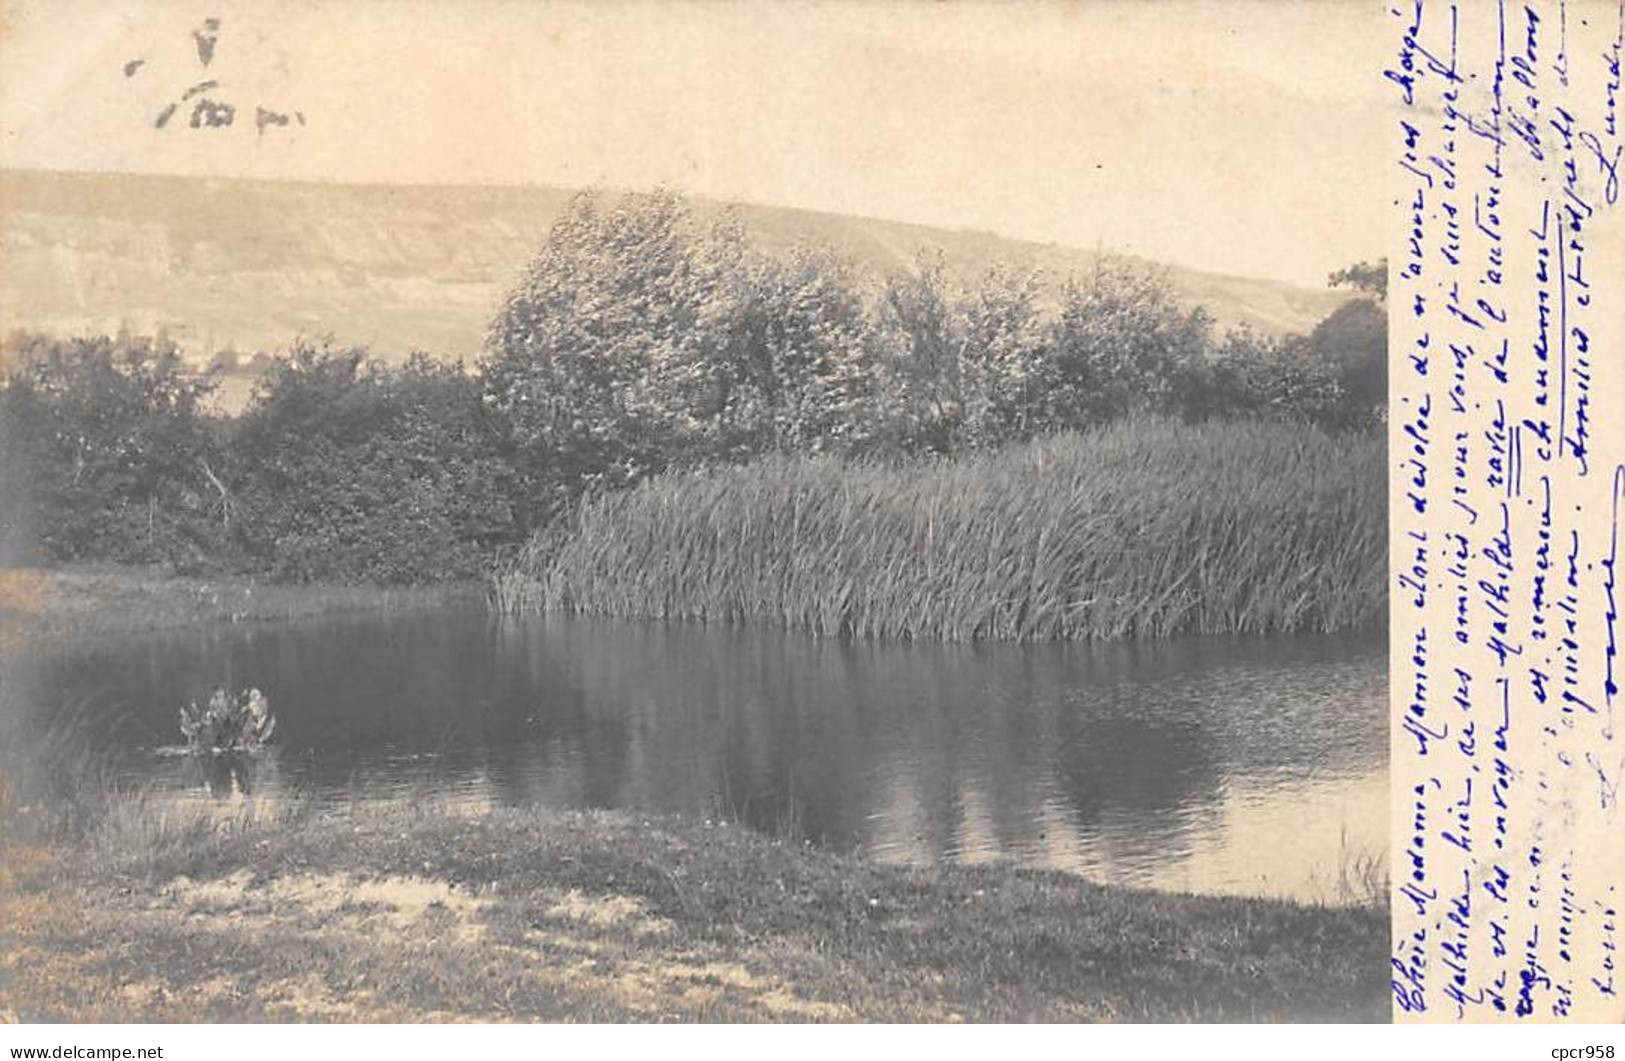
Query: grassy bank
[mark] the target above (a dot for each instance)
(1145, 528)
(405, 915)
(89, 600)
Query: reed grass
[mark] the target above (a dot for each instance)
(1146, 528)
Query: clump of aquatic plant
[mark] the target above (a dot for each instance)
(228, 724)
(1143, 528)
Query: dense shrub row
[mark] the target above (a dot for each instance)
(353, 470)
(339, 468)
(642, 339)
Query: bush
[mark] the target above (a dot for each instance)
(351, 470)
(109, 447)
(1354, 340)
(1260, 377)
(1122, 347)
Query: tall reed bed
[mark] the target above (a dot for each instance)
(1146, 528)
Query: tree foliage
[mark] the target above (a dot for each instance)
(1367, 277)
(349, 469)
(642, 336)
(1354, 339)
(109, 447)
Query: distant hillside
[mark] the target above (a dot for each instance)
(250, 264)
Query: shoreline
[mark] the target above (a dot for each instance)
(85, 601)
(409, 915)
(42, 604)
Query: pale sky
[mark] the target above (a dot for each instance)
(1236, 137)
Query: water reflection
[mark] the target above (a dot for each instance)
(224, 777)
(1213, 765)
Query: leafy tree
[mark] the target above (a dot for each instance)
(794, 366)
(1122, 345)
(641, 337)
(109, 444)
(967, 362)
(1006, 349)
(602, 352)
(349, 469)
(1273, 378)
(1372, 279)
(924, 347)
(1354, 339)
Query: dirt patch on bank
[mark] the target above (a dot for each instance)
(347, 948)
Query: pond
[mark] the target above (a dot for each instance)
(1237, 766)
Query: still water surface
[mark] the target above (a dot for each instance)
(1242, 766)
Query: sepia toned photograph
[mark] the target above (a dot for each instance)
(657, 511)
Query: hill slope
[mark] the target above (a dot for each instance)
(250, 264)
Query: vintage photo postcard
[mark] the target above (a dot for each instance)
(655, 511)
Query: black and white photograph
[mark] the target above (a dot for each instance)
(821, 512)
